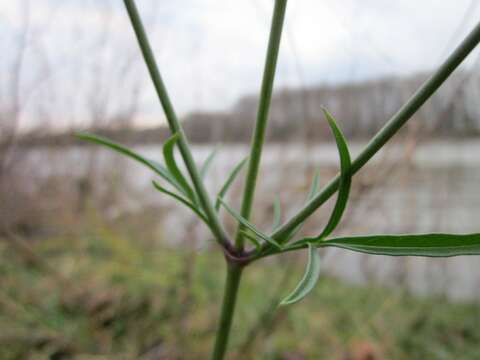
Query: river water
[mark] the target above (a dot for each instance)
(431, 187)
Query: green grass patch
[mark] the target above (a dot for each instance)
(105, 294)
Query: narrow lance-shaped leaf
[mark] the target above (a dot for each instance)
(345, 178)
(430, 245)
(230, 179)
(315, 186)
(277, 214)
(163, 171)
(250, 226)
(207, 164)
(310, 278)
(184, 201)
(169, 155)
(181, 199)
(153, 165)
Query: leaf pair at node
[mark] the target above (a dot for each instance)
(259, 239)
(312, 272)
(256, 236)
(430, 245)
(171, 173)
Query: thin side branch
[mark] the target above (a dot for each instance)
(388, 131)
(175, 127)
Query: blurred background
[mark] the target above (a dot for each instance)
(95, 264)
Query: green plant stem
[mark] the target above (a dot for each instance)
(258, 138)
(388, 131)
(232, 284)
(174, 124)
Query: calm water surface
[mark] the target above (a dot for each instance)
(432, 189)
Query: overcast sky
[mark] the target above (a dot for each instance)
(212, 51)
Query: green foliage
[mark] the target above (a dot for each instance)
(345, 179)
(128, 290)
(310, 278)
(277, 214)
(250, 226)
(195, 196)
(250, 235)
(314, 187)
(182, 200)
(169, 156)
(158, 168)
(171, 174)
(207, 164)
(228, 182)
(430, 245)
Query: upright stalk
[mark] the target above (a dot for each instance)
(173, 122)
(235, 271)
(232, 284)
(262, 114)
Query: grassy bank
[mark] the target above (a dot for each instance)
(96, 293)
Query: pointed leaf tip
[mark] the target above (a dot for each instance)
(208, 163)
(429, 245)
(169, 156)
(228, 182)
(345, 177)
(158, 168)
(309, 280)
(182, 200)
(277, 214)
(315, 186)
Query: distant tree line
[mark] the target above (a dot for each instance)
(361, 108)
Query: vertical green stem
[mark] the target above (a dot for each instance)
(262, 114)
(173, 122)
(234, 271)
(232, 284)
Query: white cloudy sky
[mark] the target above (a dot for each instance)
(212, 51)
